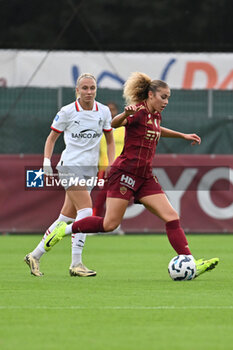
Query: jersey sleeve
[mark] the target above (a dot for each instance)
(134, 118)
(130, 119)
(107, 121)
(60, 121)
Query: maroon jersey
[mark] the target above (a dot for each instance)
(141, 137)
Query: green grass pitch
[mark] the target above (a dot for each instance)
(132, 304)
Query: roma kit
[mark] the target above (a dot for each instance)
(131, 173)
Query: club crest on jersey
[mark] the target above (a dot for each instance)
(123, 190)
(100, 121)
(127, 180)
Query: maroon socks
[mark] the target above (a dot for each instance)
(88, 225)
(177, 237)
(175, 233)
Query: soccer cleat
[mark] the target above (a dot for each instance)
(81, 271)
(33, 264)
(55, 236)
(205, 265)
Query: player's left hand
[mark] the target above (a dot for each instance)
(193, 137)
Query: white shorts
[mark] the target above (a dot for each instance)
(82, 176)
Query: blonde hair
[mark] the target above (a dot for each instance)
(138, 85)
(82, 76)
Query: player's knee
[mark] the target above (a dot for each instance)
(110, 225)
(175, 216)
(171, 216)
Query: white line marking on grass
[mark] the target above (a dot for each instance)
(77, 307)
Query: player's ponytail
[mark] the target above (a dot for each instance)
(138, 85)
(136, 88)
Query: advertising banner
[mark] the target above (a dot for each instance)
(61, 68)
(200, 188)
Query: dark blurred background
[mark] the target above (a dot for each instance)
(117, 25)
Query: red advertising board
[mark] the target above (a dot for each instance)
(200, 188)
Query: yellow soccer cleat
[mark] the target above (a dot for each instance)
(205, 265)
(55, 236)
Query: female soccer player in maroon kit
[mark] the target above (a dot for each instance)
(131, 173)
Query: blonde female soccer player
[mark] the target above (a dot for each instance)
(83, 122)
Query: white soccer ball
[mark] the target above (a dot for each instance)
(182, 268)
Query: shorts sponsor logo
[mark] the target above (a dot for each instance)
(125, 179)
(123, 190)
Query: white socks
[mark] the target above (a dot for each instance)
(78, 239)
(39, 250)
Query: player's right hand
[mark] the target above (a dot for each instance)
(47, 168)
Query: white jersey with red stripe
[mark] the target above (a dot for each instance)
(83, 130)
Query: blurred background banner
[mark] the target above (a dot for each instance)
(45, 46)
(199, 187)
(61, 68)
